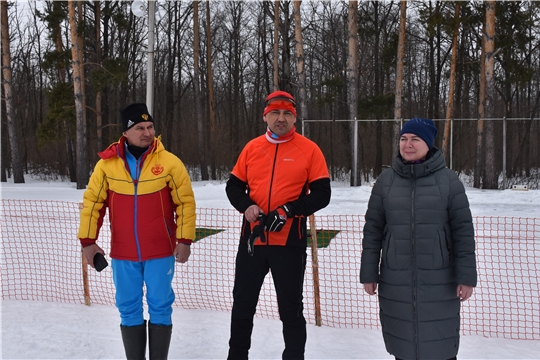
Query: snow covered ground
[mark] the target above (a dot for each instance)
(45, 330)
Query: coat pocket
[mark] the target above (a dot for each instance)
(387, 256)
(443, 257)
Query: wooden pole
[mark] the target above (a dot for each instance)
(315, 268)
(85, 280)
(86, 286)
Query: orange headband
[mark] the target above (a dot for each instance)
(280, 104)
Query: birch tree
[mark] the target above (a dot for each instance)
(352, 87)
(18, 176)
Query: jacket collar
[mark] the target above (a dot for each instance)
(434, 163)
(118, 148)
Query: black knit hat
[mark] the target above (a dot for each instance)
(133, 114)
(423, 128)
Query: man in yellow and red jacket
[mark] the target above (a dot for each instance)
(151, 205)
(280, 178)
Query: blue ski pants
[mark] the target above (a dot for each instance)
(130, 277)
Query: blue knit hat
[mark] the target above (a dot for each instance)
(423, 128)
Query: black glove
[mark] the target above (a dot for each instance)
(257, 232)
(276, 219)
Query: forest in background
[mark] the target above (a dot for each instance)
(72, 65)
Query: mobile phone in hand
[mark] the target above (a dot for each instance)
(100, 262)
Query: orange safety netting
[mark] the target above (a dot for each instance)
(41, 261)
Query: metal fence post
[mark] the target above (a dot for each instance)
(451, 140)
(355, 153)
(504, 155)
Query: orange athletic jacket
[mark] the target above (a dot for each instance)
(147, 216)
(270, 175)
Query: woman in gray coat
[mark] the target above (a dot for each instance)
(418, 249)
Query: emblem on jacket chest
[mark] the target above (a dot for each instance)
(157, 169)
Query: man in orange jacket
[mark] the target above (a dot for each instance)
(280, 179)
(152, 214)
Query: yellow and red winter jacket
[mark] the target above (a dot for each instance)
(147, 215)
(271, 175)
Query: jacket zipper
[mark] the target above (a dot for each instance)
(135, 207)
(413, 255)
(270, 190)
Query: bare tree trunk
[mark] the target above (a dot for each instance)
(72, 168)
(300, 64)
(99, 111)
(450, 106)
(168, 122)
(285, 26)
(18, 175)
(478, 168)
(376, 88)
(264, 36)
(3, 150)
(524, 148)
(276, 46)
(399, 77)
(491, 180)
(235, 78)
(210, 80)
(352, 88)
(197, 92)
(78, 89)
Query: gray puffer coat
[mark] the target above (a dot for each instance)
(418, 246)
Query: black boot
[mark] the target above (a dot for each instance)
(159, 337)
(134, 338)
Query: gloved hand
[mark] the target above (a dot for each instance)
(257, 232)
(277, 218)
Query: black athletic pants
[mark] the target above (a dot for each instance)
(288, 265)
